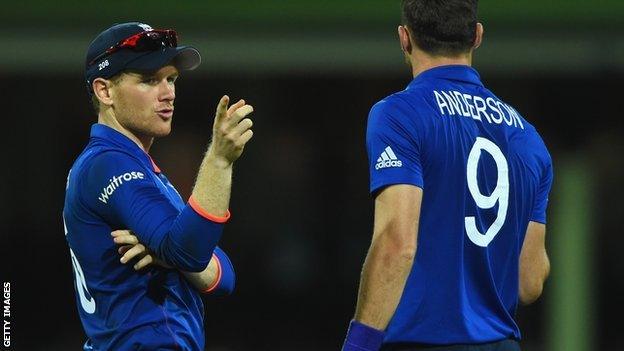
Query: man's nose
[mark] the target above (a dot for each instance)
(167, 91)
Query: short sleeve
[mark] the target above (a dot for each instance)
(541, 199)
(393, 148)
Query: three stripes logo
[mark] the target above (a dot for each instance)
(388, 159)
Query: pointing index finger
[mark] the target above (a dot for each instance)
(222, 107)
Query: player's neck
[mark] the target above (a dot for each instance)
(421, 62)
(108, 119)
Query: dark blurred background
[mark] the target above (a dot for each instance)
(302, 216)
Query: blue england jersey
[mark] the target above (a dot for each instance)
(115, 185)
(485, 173)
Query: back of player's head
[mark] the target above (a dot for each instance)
(441, 27)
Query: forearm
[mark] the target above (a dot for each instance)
(189, 243)
(200, 230)
(218, 278)
(213, 185)
(230, 132)
(211, 194)
(534, 264)
(205, 279)
(532, 278)
(197, 230)
(383, 278)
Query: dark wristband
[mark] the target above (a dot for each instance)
(361, 337)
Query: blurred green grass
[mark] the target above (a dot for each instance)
(302, 12)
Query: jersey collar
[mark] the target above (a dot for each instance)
(115, 138)
(459, 73)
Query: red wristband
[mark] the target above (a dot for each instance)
(195, 206)
(218, 280)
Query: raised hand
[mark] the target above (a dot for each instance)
(231, 130)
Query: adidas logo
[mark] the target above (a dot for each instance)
(388, 159)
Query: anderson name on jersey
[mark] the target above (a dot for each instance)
(485, 173)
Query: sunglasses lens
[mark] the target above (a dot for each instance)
(145, 41)
(155, 40)
(171, 38)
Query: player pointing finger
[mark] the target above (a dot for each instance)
(231, 130)
(130, 73)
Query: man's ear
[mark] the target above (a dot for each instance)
(478, 36)
(102, 90)
(404, 39)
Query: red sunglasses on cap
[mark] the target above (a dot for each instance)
(150, 40)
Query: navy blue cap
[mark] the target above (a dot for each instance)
(184, 58)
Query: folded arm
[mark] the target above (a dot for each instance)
(218, 278)
(118, 187)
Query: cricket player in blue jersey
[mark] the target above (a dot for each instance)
(460, 181)
(141, 255)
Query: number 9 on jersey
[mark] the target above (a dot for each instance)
(500, 193)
